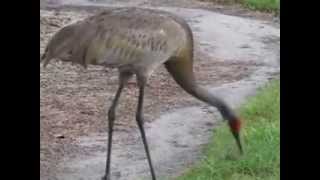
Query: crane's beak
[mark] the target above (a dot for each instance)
(238, 141)
(235, 126)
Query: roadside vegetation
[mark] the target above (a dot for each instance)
(261, 138)
(272, 6)
(263, 5)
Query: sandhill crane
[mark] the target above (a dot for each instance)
(136, 41)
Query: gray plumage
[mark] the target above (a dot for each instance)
(136, 41)
(120, 37)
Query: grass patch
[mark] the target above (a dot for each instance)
(263, 5)
(260, 5)
(261, 140)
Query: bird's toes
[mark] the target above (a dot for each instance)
(105, 177)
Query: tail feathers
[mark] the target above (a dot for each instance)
(44, 58)
(44, 54)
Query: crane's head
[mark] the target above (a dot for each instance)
(235, 126)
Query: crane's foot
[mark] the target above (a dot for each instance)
(106, 177)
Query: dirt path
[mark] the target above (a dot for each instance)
(223, 8)
(234, 56)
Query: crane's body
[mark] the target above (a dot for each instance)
(124, 37)
(136, 41)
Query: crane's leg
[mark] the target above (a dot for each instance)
(140, 122)
(123, 79)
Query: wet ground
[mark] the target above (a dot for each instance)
(233, 57)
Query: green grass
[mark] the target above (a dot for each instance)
(260, 5)
(263, 5)
(261, 140)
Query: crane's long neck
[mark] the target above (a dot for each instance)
(182, 72)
